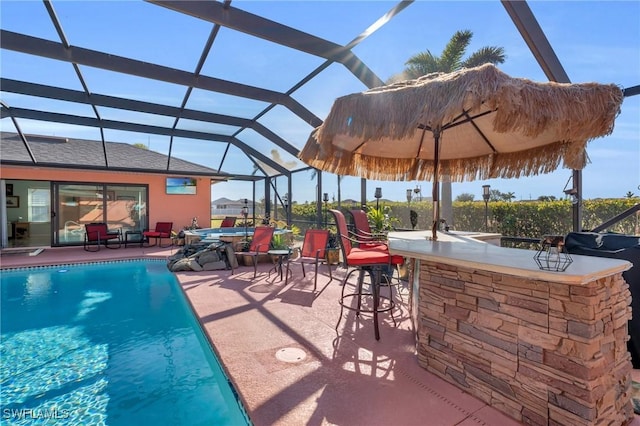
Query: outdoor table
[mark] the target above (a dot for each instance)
(280, 255)
(129, 240)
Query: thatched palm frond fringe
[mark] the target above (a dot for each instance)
(573, 113)
(501, 165)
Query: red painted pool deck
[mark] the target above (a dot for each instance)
(290, 366)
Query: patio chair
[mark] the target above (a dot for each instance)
(373, 261)
(228, 222)
(362, 229)
(370, 240)
(260, 244)
(98, 233)
(162, 230)
(312, 252)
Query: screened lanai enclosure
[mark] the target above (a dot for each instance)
(238, 86)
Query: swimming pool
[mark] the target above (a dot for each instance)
(112, 343)
(230, 235)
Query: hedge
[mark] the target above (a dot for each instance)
(530, 219)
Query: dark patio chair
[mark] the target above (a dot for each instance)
(162, 230)
(260, 244)
(312, 252)
(372, 261)
(98, 233)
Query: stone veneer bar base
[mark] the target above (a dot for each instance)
(544, 353)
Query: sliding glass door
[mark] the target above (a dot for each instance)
(122, 207)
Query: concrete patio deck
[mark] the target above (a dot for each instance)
(288, 363)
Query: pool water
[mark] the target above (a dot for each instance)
(107, 344)
(214, 234)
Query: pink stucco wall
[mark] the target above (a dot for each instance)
(179, 209)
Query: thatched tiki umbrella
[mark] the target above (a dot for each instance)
(477, 123)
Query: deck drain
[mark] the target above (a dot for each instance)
(291, 355)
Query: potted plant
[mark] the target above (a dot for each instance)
(333, 249)
(243, 246)
(278, 242)
(380, 221)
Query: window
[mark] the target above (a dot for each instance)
(39, 205)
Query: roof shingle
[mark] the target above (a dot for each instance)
(50, 151)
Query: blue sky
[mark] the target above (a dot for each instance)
(594, 40)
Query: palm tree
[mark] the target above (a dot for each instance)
(509, 196)
(451, 59)
(495, 195)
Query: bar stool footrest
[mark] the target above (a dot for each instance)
(382, 306)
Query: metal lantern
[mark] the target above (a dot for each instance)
(553, 255)
(325, 198)
(486, 196)
(245, 214)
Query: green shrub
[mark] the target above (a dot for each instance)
(518, 218)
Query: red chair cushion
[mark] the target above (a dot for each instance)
(155, 234)
(361, 257)
(374, 246)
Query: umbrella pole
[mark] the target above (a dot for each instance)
(436, 190)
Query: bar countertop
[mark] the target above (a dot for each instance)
(465, 249)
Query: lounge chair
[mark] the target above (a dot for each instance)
(98, 233)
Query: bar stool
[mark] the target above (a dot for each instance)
(364, 261)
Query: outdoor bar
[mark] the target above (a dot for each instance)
(546, 348)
